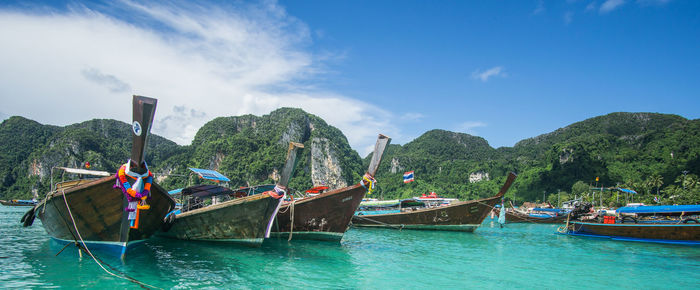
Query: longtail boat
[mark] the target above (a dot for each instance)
(463, 216)
(217, 213)
(18, 202)
(99, 212)
(536, 215)
(326, 216)
(657, 224)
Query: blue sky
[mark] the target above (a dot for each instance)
(502, 70)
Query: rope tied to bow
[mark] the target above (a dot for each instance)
(277, 193)
(369, 183)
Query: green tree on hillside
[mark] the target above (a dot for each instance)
(655, 181)
(687, 181)
(579, 188)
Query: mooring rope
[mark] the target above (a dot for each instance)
(64, 247)
(565, 228)
(291, 213)
(382, 223)
(85, 248)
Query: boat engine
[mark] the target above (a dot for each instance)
(581, 209)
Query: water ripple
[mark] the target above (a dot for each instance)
(517, 256)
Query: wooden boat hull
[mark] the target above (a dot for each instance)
(323, 217)
(98, 211)
(242, 220)
(463, 216)
(524, 218)
(642, 232)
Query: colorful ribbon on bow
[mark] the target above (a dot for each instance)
(369, 183)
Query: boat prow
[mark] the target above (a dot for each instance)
(244, 217)
(326, 216)
(95, 212)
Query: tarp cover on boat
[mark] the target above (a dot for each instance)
(660, 209)
(210, 174)
(411, 202)
(625, 190)
(175, 191)
(255, 189)
(539, 215)
(317, 189)
(206, 190)
(546, 209)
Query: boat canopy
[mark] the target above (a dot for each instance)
(84, 171)
(688, 209)
(175, 191)
(411, 202)
(255, 189)
(206, 190)
(625, 190)
(546, 209)
(317, 189)
(210, 175)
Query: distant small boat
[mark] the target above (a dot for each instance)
(219, 214)
(659, 224)
(463, 216)
(97, 213)
(537, 215)
(326, 216)
(18, 202)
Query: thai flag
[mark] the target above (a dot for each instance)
(408, 177)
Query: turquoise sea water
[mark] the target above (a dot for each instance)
(518, 256)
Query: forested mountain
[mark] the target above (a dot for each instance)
(248, 149)
(657, 155)
(29, 150)
(251, 150)
(643, 151)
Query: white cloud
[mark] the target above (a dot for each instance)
(412, 116)
(489, 73)
(469, 126)
(110, 82)
(652, 2)
(568, 17)
(610, 5)
(201, 62)
(540, 8)
(591, 6)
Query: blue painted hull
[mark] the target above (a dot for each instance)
(111, 248)
(679, 234)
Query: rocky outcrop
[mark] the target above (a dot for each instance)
(395, 165)
(479, 176)
(566, 155)
(275, 175)
(325, 167)
(216, 161)
(296, 132)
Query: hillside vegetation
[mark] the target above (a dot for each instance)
(657, 155)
